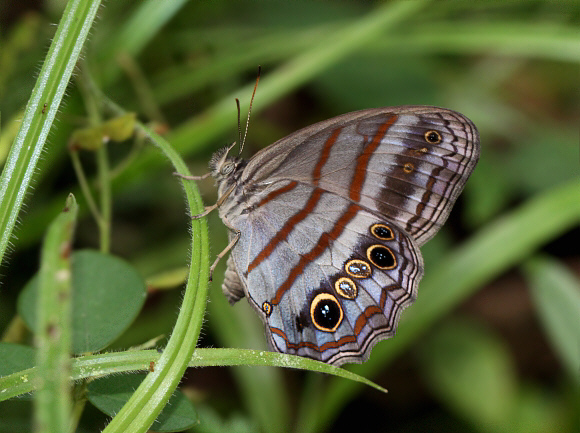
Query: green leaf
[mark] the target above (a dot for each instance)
(117, 129)
(86, 139)
(471, 372)
(136, 32)
(556, 295)
(15, 357)
(211, 422)
(109, 394)
(107, 296)
(541, 411)
(212, 357)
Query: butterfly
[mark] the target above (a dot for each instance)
(326, 223)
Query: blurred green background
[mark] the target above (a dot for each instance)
(501, 353)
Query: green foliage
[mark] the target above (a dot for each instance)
(556, 294)
(463, 363)
(108, 295)
(109, 394)
(15, 357)
(484, 349)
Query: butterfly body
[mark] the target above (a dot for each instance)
(330, 220)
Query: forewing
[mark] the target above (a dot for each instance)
(407, 163)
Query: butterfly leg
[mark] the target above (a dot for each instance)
(203, 176)
(207, 210)
(225, 250)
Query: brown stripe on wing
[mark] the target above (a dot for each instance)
(455, 183)
(364, 317)
(362, 320)
(277, 192)
(362, 160)
(302, 214)
(459, 179)
(328, 345)
(429, 188)
(354, 191)
(424, 200)
(287, 228)
(325, 154)
(370, 311)
(318, 249)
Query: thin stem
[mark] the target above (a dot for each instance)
(85, 188)
(136, 148)
(106, 198)
(93, 108)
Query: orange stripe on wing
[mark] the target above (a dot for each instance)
(364, 317)
(362, 160)
(286, 229)
(329, 345)
(360, 323)
(318, 249)
(355, 189)
(277, 193)
(302, 214)
(325, 154)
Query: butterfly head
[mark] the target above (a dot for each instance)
(226, 169)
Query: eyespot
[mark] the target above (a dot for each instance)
(346, 288)
(227, 168)
(382, 257)
(382, 231)
(433, 137)
(267, 308)
(325, 312)
(357, 268)
(408, 167)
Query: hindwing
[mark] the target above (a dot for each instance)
(329, 283)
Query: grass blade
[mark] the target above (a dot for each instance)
(53, 333)
(556, 294)
(102, 364)
(41, 110)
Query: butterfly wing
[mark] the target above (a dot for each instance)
(330, 221)
(407, 163)
(328, 277)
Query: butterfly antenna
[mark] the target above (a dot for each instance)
(242, 142)
(239, 123)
